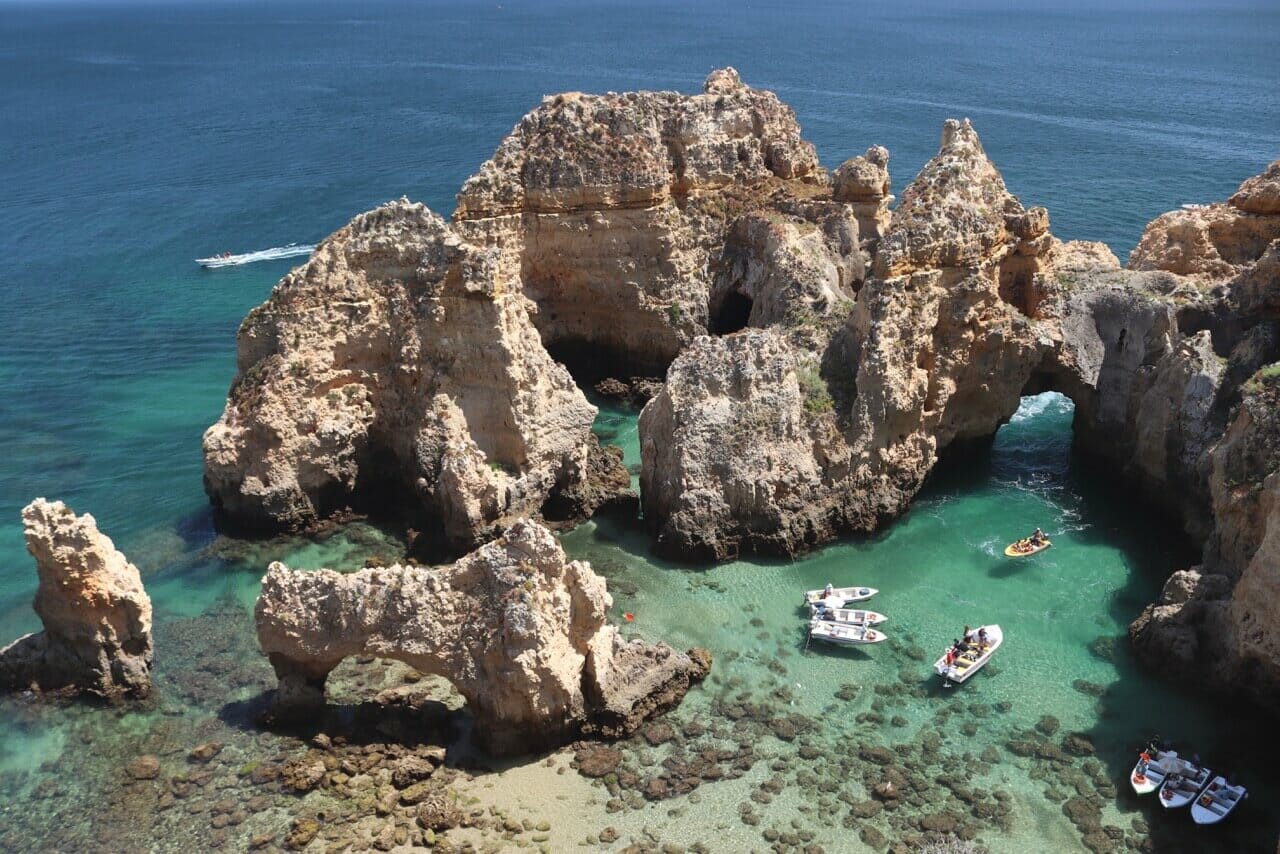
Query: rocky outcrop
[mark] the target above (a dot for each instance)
(1215, 241)
(1223, 613)
(96, 615)
(614, 210)
(776, 440)
(399, 366)
(863, 183)
(520, 632)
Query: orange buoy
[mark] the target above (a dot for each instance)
(629, 617)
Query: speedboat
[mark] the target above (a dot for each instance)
(226, 259)
(1217, 801)
(849, 615)
(1182, 784)
(969, 662)
(1151, 769)
(845, 634)
(837, 597)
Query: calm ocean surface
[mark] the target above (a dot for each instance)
(134, 138)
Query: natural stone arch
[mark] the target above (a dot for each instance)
(519, 631)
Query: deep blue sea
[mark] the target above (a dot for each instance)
(137, 137)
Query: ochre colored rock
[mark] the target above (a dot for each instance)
(614, 209)
(518, 630)
(399, 364)
(96, 614)
(1218, 240)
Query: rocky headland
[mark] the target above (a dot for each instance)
(96, 615)
(520, 631)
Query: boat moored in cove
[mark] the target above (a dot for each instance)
(1152, 767)
(833, 598)
(1183, 783)
(845, 634)
(1217, 801)
(849, 615)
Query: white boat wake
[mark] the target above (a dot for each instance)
(273, 254)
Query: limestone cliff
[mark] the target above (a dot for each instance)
(399, 365)
(1215, 241)
(615, 208)
(96, 615)
(521, 632)
(779, 439)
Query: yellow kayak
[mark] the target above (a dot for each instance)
(1023, 548)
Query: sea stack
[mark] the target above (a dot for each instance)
(518, 629)
(398, 368)
(96, 614)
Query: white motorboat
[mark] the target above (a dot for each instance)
(1151, 769)
(1182, 784)
(226, 259)
(837, 597)
(849, 615)
(845, 634)
(1217, 801)
(971, 661)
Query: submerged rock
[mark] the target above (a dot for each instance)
(519, 631)
(96, 614)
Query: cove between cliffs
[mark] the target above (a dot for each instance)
(822, 727)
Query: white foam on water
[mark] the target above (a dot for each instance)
(292, 250)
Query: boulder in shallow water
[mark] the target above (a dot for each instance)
(96, 614)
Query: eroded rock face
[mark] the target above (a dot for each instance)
(520, 632)
(779, 439)
(96, 615)
(399, 363)
(1215, 241)
(863, 183)
(616, 206)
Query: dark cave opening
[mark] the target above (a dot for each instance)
(731, 315)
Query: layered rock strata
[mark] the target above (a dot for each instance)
(399, 365)
(96, 614)
(617, 206)
(520, 631)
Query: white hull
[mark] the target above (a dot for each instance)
(1157, 769)
(848, 615)
(969, 663)
(1183, 785)
(291, 251)
(1217, 801)
(845, 634)
(839, 597)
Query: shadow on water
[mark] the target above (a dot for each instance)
(1136, 703)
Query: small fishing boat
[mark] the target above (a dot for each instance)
(970, 662)
(1183, 784)
(849, 615)
(837, 597)
(1152, 767)
(1025, 548)
(1217, 801)
(845, 634)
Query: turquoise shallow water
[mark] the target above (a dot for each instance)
(139, 136)
(1064, 613)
